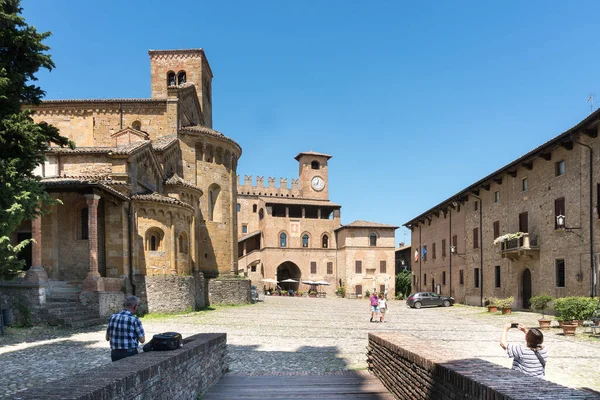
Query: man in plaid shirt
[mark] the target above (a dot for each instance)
(125, 331)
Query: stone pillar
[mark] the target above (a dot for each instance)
(193, 251)
(173, 269)
(36, 274)
(244, 246)
(92, 202)
(287, 212)
(318, 213)
(93, 281)
(303, 212)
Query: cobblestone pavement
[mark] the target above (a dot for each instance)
(292, 335)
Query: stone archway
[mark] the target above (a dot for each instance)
(526, 288)
(289, 270)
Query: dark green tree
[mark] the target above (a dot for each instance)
(403, 284)
(22, 142)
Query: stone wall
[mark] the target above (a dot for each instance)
(229, 291)
(414, 369)
(104, 303)
(25, 300)
(184, 373)
(172, 293)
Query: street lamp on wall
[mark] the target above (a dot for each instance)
(560, 223)
(454, 253)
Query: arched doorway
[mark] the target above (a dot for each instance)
(526, 288)
(433, 284)
(288, 270)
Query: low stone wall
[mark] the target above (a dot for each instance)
(414, 369)
(170, 293)
(103, 303)
(184, 373)
(229, 291)
(25, 299)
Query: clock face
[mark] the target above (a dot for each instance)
(317, 183)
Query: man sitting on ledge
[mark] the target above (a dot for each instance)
(125, 331)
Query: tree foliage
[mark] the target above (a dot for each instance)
(22, 142)
(403, 284)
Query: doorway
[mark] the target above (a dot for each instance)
(25, 254)
(526, 288)
(289, 270)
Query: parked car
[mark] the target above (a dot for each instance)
(420, 299)
(254, 294)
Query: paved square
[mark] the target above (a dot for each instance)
(300, 335)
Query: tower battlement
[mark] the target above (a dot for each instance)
(259, 189)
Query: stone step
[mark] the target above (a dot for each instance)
(70, 313)
(61, 303)
(82, 323)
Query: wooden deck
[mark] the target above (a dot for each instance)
(349, 385)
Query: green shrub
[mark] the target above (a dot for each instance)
(574, 308)
(506, 302)
(541, 302)
(492, 302)
(367, 293)
(403, 284)
(341, 291)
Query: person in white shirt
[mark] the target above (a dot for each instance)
(382, 307)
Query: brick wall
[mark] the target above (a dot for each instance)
(414, 369)
(184, 373)
(229, 291)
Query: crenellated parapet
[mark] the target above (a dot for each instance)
(246, 187)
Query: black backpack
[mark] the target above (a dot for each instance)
(164, 341)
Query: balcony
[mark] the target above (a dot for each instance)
(525, 246)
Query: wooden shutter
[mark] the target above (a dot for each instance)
(382, 267)
(313, 267)
(329, 268)
(496, 229)
(433, 256)
(523, 223)
(455, 243)
(475, 238)
(443, 247)
(358, 267)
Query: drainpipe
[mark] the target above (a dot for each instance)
(480, 249)
(449, 247)
(130, 245)
(420, 259)
(593, 291)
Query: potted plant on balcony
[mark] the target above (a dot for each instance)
(506, 304)
(508, 236)
(541, 303)
(492, 305)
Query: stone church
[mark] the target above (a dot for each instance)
(146, 199)
(295, 233)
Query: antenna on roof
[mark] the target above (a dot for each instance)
(591, 101)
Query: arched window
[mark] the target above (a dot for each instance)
(183, 243)
(261, 214)
(181, 77)
(325, 241)
(171, 79)
(314, 165)
(136, 125)
(83, 224)
(282, 240)
(254, 208)
(239, 207)
(305, 240)
(373, 239)
(154, 237)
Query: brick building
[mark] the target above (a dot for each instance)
(147, 198)
(500, 236)
(296, 233)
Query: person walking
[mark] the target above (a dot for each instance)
(382, 307)
(125, 331)
(530, 359)
(374, 306)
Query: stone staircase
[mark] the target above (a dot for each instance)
(64, 309)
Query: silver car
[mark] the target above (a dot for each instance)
(423, 299)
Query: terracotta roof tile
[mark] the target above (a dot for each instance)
(164, 142)
(118, 150)
(101, 181)
(248, 236)
(159, 198)
(312, 153)
(366, 224)
(207, 131)
(175, 180)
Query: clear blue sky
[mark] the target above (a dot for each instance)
(414, 100)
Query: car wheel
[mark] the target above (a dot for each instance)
(446, 303)
(417, 305)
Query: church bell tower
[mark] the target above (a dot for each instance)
(313, 175)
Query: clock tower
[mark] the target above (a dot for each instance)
(313, 175)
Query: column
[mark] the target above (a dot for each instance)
(92, 202)
(173, 268)
(244, 251)
(318, 213)
(37, 274)
(303, 212)
(287, 212)
(193, 256)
